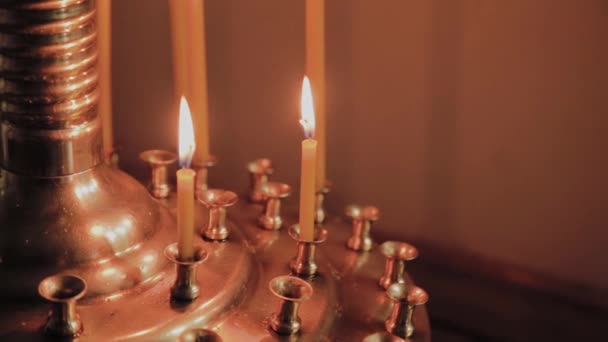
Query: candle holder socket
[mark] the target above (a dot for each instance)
(304, 264)
(217, 201)
(320, 213)
(362, 219)
(396, 253)
(200, 335)
(202, 172)
(259, 171)
(405, 299)
(63, 291)
(273, 192)
(291, 291)
(158, 162)
(186, 286)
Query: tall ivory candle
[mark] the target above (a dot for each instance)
(179, 43)
(308, 165)
(104, 43)
(185, 185)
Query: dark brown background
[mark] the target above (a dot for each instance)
(478, 126)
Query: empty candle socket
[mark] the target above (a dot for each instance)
(185, 287)
(291, 291)
(273, 192)
(63, 291)
(320, 213)
(202, 172)
(396, 253)
(304, 264)
(200, 335)
(259, 171)
(362, 219)
(217, 201)
(405, 300)
(159, 161)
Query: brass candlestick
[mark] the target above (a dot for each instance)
(186, 286)
(202, 172)
(401, 320)
(63, 291)
(291, 291)
(363, 218)
(396, 253)
(304, 263)
(259, 171)
(273, 192)
(320, 213)
(217, 201)
(159, 161)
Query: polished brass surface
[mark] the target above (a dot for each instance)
(383, 337)
(291, 291)
(202, 171)
(406, 299)
(158, 162)
(304, 263)
(200, 335)
(271, 216)
(186, 287)
(320, 213)
(362, 219)
(217, 201)
(259, 171)
(63, 291)
(396, 254)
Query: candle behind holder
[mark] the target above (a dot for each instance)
(217, 201)
(186, 286)
(304, 263)
(63, 291)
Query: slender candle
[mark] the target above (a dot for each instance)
(104, 41)
(308, 166)
(315, 68)
(185, 184)
(179, 41)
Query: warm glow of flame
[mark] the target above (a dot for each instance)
(186, 134)
(307, 109)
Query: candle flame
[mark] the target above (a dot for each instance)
(186, 134)
(307, 109)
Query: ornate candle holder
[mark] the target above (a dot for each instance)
(304, 264)
(273, 192)
(401, 320)
(63, 291)
(202, 171)
(259, 170)
(159, 161)
(396, 253)
(217, 201)
(200, 335)
(186, 286)
(320, 213)
(291, 291)
(363, 218)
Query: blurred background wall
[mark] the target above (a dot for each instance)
(476, 125)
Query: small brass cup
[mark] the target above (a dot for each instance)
(200, 335)
(396, 253)
(291, 291)
(405, 299)
(320, 213)
(304, 264)
(186, 286)
(217, 201)
(273, 192)
(363, 218)
(159, 161)
(63, 291)
(202, 172)
(259, 171)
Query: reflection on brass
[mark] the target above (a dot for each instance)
(291, 291)
(217, 201)
(63, 291)
(200, 335)
(363, 218)
(186, 286)
(401, 320)
(396, 253)
(259, 171)
(273, 192)
(202, 172)
(320, 213)
(158, 162)
(382, 337)
(304, 263)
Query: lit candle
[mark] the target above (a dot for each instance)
(315, 69)
(185, 184)
(104, 41)
(308, 167)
